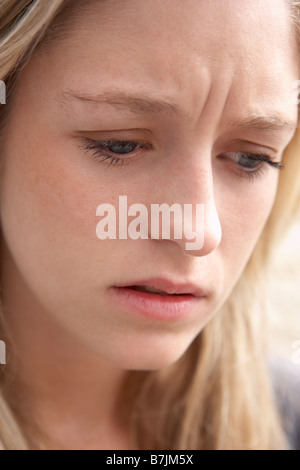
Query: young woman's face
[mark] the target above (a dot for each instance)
(193, 86)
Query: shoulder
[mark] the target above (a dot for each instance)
(286, 384)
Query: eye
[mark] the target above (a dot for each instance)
(119, 147)
(251, 164)
(114, 151)
(247, 161)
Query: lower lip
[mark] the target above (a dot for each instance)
(155, 306)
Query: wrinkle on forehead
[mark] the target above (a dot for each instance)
(206, 58)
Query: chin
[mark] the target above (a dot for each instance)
(151, 355)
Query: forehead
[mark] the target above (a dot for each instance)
(186, 26)
(187, 49)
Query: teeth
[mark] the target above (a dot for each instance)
(150, 290)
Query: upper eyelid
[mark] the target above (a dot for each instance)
(112, 140)
(142, 140)
(259, 157)
(137, 145)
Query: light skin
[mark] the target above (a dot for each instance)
(219, 64)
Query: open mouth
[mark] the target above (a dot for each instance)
(151, 290)
(159, 300)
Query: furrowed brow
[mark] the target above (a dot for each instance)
(147, 105)
(264, 122)
(136, 104)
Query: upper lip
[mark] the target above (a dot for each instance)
(168, 286)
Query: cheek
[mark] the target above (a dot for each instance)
(40, 193)
(244, 214)
(48, 208)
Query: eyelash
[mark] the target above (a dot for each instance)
(99, 149)
(257, 171)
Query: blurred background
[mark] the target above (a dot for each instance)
(284, 293)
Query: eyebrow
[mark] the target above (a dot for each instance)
(136, 104)
(146, 105)
(267, 122)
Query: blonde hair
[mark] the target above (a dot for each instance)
(214, 396)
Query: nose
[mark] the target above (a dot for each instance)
(194, 223)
